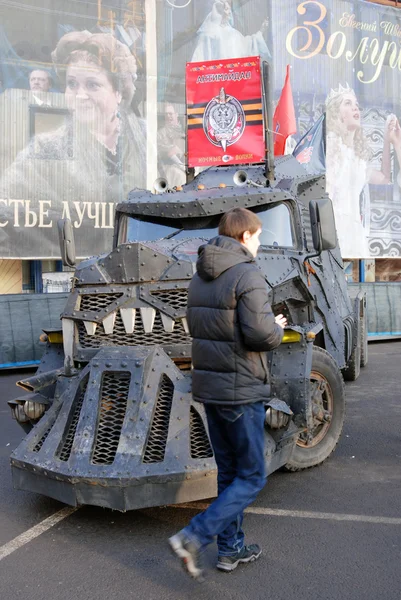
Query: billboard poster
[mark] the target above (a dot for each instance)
(93, 104)
(345, 58)
(198, 32)
(73, 110)
(345, 63)
(224, 112)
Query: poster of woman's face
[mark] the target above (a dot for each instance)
(76, 142)
(91, 94)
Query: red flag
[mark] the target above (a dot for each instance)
(284, 123)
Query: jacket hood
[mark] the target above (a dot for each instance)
(220, 254)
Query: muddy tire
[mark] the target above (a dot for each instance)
(328, 393)
(353, 368)
(364, 339)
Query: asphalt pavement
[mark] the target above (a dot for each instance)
(333, 532)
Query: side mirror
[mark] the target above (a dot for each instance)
(323, 224)
(66, 241)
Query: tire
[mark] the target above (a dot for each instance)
(364, 339)
(325, 372)
(353, 368)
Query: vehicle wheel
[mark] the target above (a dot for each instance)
(364, 339)
(328, 402)
(353, 368)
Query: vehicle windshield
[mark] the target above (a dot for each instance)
(140, 230)
(277, 228)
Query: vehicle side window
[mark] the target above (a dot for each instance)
(276, 227)
(143, 231)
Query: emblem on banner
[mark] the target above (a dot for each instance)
(304, 157)
(223, 120)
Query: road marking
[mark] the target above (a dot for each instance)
(304, 514)
(51, 521)
(35, 531)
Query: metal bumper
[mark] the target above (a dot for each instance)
(125, 434)
(117, 494)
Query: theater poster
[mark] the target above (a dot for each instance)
(73, 112)
(345, 58)
(74, 145)
(346, 63)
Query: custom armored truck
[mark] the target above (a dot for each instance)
(109, 415)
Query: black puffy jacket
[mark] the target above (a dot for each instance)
(232, 325)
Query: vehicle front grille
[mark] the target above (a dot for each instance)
(39, 444)
(156, 444)
(175, 298)
(200, 445)
(120, 337)
(50, 422)
(68, 439)
(97, 302)
(113, 406)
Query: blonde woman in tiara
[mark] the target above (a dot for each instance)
(217, 37)
(348, 171)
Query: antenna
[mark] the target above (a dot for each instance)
(268, 119)
(189, 171)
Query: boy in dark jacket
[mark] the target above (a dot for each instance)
(232, 326)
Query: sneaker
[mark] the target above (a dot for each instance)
(188, 552)
(245, 555)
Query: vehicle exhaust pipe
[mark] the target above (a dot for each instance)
(39, 382)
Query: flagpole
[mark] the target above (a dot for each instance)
(268, 120)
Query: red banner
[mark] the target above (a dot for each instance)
(225, 113)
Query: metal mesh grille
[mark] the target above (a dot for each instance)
(40, 443)
(66, 446)
(113, 406)
(97, 302)
(156, 444)
(120, 337)
(307, 228)
(200, 445)
(175, 298)
(42, 440)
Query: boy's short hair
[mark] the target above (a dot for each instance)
(236, 221)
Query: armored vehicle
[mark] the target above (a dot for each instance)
(109, 416)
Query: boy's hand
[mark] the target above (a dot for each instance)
(281, 320)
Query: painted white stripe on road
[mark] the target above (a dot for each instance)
(51, 521)
(304, 514)
(35, 531)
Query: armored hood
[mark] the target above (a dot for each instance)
(220, 254)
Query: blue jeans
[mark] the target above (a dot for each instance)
(237, 436)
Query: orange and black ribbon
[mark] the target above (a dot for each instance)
(252, 109)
